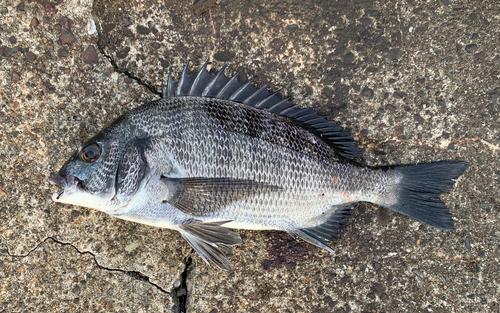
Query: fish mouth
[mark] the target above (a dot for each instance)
(67, 182)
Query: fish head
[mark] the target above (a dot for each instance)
(88, 178)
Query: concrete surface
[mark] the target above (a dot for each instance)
(412, 80)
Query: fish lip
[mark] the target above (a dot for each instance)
(64, 180)
(67, 182)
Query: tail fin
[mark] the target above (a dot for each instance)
(419, 189)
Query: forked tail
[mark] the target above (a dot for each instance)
(417, 194)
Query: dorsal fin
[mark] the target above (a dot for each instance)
(205, 84)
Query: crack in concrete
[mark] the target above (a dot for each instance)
(179, 291)
(134, 274)
(101, 48)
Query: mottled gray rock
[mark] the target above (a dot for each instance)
(57, 277)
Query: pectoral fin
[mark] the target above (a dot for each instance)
(212, 241)
(199, 195)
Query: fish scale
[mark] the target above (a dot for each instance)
(203, 165)
(255, 165)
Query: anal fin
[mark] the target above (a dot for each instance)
(211, 241)
(322, 234)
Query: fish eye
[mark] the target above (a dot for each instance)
(90, 153)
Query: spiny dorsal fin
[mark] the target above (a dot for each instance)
(219, 86)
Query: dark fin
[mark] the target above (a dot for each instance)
(163, 91)
(322, 234)
(169, 90)
(419, 190)
(212, 241)
(199, 195)
(219, 86)
(185, 82)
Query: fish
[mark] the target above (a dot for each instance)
(215, 154)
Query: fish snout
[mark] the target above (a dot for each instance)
(68, 183)
(63, 180)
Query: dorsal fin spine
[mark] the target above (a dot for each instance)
(290, 109)
(262, 102)
(170, 85)
(243, 87)
(163, 91)
(233, 79)
(261, 89)
(324, 124)
(212, 82)
(197, 79)
(313, 121)
(181, 81)
(308, 117)
(281, 102)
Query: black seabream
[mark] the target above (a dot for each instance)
(215, 154)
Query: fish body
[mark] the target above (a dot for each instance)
(214, 154)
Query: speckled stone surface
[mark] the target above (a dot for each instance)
(58, 278)
(413, 81)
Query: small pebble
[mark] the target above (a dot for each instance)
(30, 56)
(473, 16)
(367, 92)
(349, 57)
(34, 22)
(91, 28)
(471, 48)
(15, 77)
(68, 38)
(62, 53)
(66, 23)
(366, 21)
(224, 56)
(89, 55)
(177, 284)
(143, 30)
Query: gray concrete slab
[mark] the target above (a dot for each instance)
(56, 277)
(413, 81)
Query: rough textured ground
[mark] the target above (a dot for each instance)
(412, 80)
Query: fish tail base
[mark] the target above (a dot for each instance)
(418, 190)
